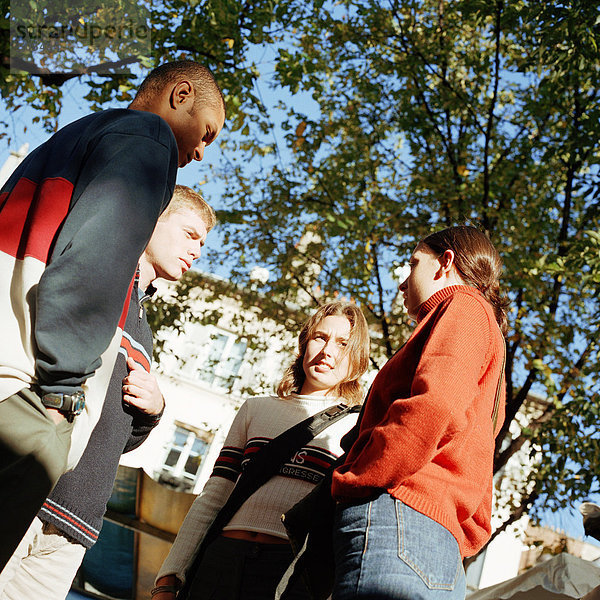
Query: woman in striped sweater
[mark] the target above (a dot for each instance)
(252, 553)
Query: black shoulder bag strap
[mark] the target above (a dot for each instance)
(498, 389)
(264, 464)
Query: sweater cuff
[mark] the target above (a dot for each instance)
(146, 419)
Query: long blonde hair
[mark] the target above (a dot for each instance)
(357, 349)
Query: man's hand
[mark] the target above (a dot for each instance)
(140, 389)
(55, 415)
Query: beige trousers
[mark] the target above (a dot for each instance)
(42, 567)
(33, 456)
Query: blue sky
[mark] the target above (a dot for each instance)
(199, 176)
(570, 521)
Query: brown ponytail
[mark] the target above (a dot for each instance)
(477, 262)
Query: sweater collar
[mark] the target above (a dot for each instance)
(330, 399)
(146, 294)
(440, 296)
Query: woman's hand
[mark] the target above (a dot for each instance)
(166, 588)
(164, 596)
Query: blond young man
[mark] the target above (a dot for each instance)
(47, 559)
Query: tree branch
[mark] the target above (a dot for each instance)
(490, 119)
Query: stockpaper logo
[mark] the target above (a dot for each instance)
(57, 37)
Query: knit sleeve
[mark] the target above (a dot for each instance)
(206, 506)
(444, 387)
(124, 184)
(136, 343)
(141, 427)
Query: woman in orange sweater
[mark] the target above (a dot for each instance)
(415, 493)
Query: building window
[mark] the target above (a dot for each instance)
(214, 356)
(183, 456)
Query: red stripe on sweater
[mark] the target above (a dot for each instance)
(31, 216)
(132, 352)
(317, 461)
(126, 305)
(227, 459)
(75, 523)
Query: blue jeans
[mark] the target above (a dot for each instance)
(385, 549)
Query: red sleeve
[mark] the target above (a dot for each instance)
(445, 384)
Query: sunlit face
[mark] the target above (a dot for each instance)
(175, 243)
(424, 279)
(326, 362)
(194, 125)
(194, 129)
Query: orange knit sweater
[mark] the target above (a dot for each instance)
(426, 434)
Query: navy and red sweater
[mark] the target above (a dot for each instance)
(75, 217)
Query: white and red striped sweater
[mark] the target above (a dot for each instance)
(257, 422)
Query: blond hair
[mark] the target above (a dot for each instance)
(357, 349)
(185, 198)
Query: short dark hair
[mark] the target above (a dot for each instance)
(206, 88)
(185, 198)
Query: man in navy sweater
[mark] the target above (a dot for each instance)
(74, 219)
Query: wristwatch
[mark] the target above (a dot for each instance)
(70, 405)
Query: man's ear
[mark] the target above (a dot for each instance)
(182, 93)
(446, 261)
